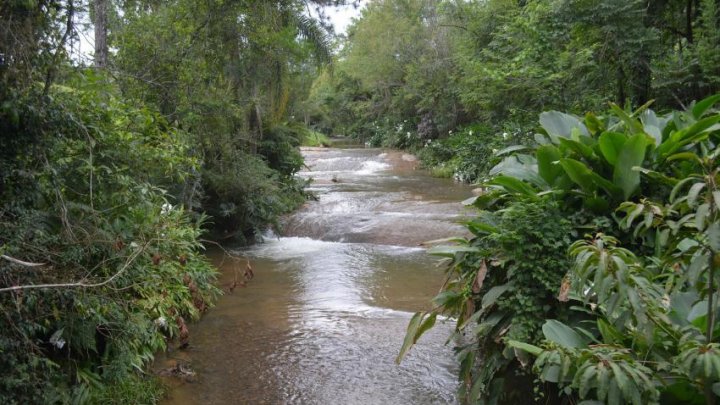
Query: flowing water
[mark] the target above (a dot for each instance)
(325, 315)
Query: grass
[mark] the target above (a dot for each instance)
(443, 170)
(314, 138)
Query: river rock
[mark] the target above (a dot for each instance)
(408, 157)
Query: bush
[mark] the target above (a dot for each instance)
(81, 194)
(470, 153)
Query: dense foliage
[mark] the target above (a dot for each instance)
(609, 273)
(111, 173)
(415, 71)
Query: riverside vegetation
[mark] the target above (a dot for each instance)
(111, 171)
(591, 275)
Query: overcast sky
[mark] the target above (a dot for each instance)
(342, 16)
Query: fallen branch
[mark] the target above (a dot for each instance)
(79, 284)
(21, 262)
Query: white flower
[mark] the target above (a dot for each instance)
(505, 135)
(165, 209)
(495, 150)
(59, 343)
(161, 322)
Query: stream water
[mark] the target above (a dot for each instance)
(325, 315)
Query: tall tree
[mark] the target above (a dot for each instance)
(100, 20)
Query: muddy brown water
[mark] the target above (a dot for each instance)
(325, 315)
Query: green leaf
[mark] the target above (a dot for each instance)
(448, 299)
(578, 147)
(562, 334)
(593, 124)
(587, 179)
(493, 294)
(547, 158)
(611, 144)
(684, 156)
(716, 386)
(534, 350)
(694, 133)
(698, 311)
(510, 149)
(513, 185)
(701, 106)
(412, 329)
(520, 167)
(609, 333)
(632, 124)
(561, 124)
(657, 176)
(713, 234)
(426, 325)
(694, 192)
(451, 251)
(632, 154)
(681, 304)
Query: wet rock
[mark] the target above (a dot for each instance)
(178, 370)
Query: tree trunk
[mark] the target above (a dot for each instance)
(100, 22)
(689, 21)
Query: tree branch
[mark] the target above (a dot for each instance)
(79, 284)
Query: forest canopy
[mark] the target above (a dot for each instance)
(112, 169)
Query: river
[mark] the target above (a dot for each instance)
(325, 315)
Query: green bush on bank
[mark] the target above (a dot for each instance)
(594, 263)
(84, 193)
(468, 154)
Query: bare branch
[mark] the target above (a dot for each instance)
(80, 284)
(21, 262)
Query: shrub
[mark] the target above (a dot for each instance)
(123, 268)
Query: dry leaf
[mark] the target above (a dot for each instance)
(480, 278)
(564, 289)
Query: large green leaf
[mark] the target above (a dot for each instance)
(586, 178)
(632, 124)
(410, 334)
(578, 147)
(681, 304)
(611, 144)
(525, 346)
(701, 106)
(694, 133)
(631, 155)
(558, 124)
(579, 173)
(513, 185)
(562, 334)
(510, 149)
(451, 251)
(547, 159)
(521, 167)
(493, 294)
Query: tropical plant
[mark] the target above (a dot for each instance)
(642, 305)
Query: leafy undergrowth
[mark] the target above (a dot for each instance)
(314, 138)
(100, 268)
(593, 271)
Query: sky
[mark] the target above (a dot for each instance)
(343, 15)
